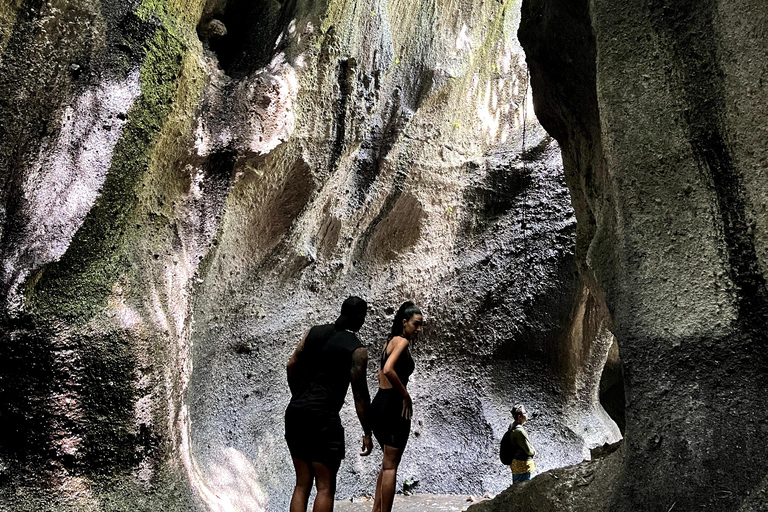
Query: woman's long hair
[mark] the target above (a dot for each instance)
(405, 312)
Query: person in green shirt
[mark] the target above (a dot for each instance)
(522, 462)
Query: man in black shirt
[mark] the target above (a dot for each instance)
(328, 358)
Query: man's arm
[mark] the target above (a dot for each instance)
(361, 395)
(292, 367)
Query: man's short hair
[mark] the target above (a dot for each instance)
(354, 307)
(517, 411)
(353, 312)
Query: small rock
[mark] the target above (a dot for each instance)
(216, 28)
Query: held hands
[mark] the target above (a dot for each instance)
(367, 445)
(407, 407)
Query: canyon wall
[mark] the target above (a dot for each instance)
(187, 186)
(660, 110)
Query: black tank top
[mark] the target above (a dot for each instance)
(404, 365)
(326, 363)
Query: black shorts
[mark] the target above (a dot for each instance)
(314, 437)
(389, 426)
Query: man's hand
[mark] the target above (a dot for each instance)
(367, 445)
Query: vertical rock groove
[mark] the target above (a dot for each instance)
(688, 29)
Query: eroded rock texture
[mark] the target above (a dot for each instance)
(660, 110)
(186, 186)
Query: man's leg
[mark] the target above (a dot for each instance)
(304, 477)
(524, 477)
(325, 480)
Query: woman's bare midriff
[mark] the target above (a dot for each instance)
(383, 380)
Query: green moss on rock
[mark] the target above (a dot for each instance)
(78, 285)
(8, 11)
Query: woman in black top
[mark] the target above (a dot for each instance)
(392, 407)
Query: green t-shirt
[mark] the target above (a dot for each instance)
(521, 443)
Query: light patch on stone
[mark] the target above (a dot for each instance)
(176, 280)
(158, 316)
(145, 472)
(79, 488)
(232, 484)
(70, 445)
(487, 113)
(143, 411)
(202, 144)
(64, 182)
(196, 182)
(126, 317)
(225, 136)
(254, 115)
(144, 382)
(464, 39)
(505, 61)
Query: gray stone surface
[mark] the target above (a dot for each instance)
(414, 503)
(186, 186)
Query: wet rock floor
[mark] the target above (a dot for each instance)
(414, 503)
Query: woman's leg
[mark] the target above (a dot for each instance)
(325, 480)
(304, 477)
(377, 495)
(388, 478)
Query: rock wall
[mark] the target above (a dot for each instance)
(659, 108)
(96, 99)
(187, 186)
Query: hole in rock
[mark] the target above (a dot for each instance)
(612, 386)
(244, 34)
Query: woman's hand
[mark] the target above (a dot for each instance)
(367, 445)
(407, 407)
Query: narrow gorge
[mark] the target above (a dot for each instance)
(575, 192)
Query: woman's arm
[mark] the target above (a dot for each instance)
(399, 344)
(292, 368)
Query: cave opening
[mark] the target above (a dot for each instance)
(245, 35)
(612, 396)
(511, 323)
(478, 229)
